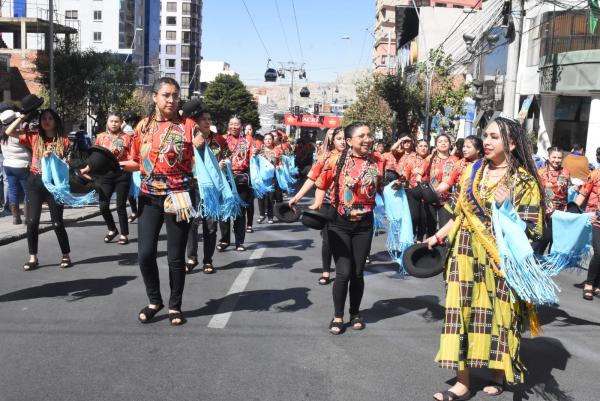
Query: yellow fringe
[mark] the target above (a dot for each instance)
(534, 324)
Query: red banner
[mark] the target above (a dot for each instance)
(308, 120)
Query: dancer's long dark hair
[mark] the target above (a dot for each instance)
(477, 144)
(348, 132)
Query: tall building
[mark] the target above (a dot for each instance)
(180, 33)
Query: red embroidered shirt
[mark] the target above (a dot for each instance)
(414, 170)
(240, 151)
(30, 140)
(359, 181)
(556, 185)
(392, 159)
(165, 153)
(317, 168)
(457, 169)
(591, 190)
(440, 172)
(119, 144)
(272, 155)
(218, 145)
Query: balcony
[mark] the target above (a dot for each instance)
(567, 31)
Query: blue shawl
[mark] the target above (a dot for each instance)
(232, 203)
(55, 177)
(210, 184)
(290, 163)
(400, 231)
(523, 273)
(378, 215)
(261, 175)
(571, 242)
(136, 182)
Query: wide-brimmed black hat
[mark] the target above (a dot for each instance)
(101, 161)
(572, 207)
(390, 176)
(316, 219)
(285, 213)
(30, 103)
(422, 262)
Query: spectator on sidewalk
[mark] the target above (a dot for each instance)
(577, 163)
(15, 171)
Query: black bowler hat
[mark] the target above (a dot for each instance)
(285, 213)
(101, 161)
(316, 219)
(30, 103)
(193, 108)
(390, 176)
(422, 262)
(572, 207)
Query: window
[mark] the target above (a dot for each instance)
(169, 75)
(170, 62)
(71, 14)
(97, 36)
(171, 49)
(186, 37)
(185, 23)
(171, 20)
(185, 51)
(185, 78)
(97, 15)
(185, 65)
(186, 8)
(171, 35)
(172, 6)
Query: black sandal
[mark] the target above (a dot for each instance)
(324, 280)
(176, 316)
(132, 217)
(357, 320)
(588, 295)
(221, 246)
(499, 387)
(30, 265)
(123, 240)
(190, 264)
(65, 263)
(240, 248)
(109, 237)
(149, 313)
(450, 396)
(249, 229)
(208, 268)
(336, 328)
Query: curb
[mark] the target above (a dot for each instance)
(16, 237)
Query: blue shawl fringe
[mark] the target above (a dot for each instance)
(55, 177)
(400, 230)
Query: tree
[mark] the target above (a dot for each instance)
(227, 96)
(404, 98)
(370, 107)
(88, 83)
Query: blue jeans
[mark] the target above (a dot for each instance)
(17, 183)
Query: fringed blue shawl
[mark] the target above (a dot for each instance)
(571, 242)
(378, 215)
(290, 162)
(210, 184)
(400, 231)
(55, 176)
(284, 179)
(261, 175)
(232, 203)
(136, 182)
(523, 273)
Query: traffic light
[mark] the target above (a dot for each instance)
(316, 109)
(297, 110)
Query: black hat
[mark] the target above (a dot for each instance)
(317, 219)
(422, 262)
(390, 176)
(285, 213)
(30, 103)
(572, 207)
(193, 108)
(101, 161)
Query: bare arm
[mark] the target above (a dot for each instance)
(579, 200)
(129, 165)
(307, 186)
(319, 197)
(12, 129)
(442, 233)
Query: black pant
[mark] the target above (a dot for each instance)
(239, 223)
(250, 211)
(266, 203)
(593, 276)
(151, 218)
(37, 194)
(350, 242)
(326, 250)
(209, 234)
(539, 246)
(132, 204)
(436, 216)
(106, 186)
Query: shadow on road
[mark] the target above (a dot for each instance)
(124, 259)
(294, 228)
(85, 223)
(257, 301)
(296, 244)
(269, 262)
(76, 289)
(388, 308)
(542, 355)
(549, 314)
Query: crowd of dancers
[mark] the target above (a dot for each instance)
(451, 191)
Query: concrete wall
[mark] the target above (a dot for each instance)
(436, 24)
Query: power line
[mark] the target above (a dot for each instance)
(362, 47)
(452, 31)
(298, 31)
(283, 30)
(256, 29)
(565, 10)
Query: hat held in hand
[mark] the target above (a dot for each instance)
(285, 213)
(422, 262)
(101, 161)
(31, 103)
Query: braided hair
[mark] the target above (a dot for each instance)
(348, 132)
(59, 148)
(155, 88)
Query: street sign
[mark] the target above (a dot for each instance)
(308, 120)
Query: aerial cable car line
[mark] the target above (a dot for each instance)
(298, 32)
(256, 29)
(283, 30)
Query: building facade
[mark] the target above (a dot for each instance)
(180, 45)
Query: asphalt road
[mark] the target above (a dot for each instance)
(257, 329)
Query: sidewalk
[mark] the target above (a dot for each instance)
(10, 232)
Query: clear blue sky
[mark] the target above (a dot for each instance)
(228, 35)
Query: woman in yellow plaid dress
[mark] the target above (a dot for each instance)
(484, 317)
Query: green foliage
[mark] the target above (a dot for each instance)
(227, 96)
(89, 83)
(370, 107)
(405, 99)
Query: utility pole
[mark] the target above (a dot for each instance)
(291, 67)
(512, 61)
(389, 51)
(51, 50)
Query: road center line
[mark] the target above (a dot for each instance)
(220, 319)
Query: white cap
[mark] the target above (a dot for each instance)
(8, 116)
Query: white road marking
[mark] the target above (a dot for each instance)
(220, 319)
